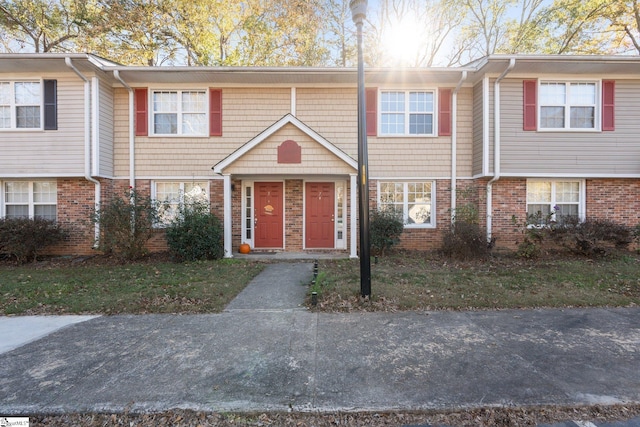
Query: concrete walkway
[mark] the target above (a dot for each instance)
(277, 356)
(20, 330)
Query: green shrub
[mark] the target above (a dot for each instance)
(465, 240)
(385, 227)
(532, 236)
(195, 234)
(126, 225)
(593, 237)
(24, 238)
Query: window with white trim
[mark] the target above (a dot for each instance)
(414, 200)
(181, 112)
(27, 199)
(553, 201)
(20, 105)
(407, 113)
(171, 196)
(568, 105)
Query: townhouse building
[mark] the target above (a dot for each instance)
(274, 150)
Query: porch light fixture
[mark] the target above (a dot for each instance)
(358, 14)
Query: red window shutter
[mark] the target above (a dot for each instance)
(608, 104)
(140, 107)
(371, 96)
(530, 88)
(444, 112)
(215, 112)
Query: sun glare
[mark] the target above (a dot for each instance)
(402, 41)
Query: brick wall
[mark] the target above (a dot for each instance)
(509, 200)
(616, 200)
(76, 203)
(613, 199)
(293, 215)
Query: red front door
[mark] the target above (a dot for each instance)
(319, 222)
(268, 215)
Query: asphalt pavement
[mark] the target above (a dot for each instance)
(266, 351)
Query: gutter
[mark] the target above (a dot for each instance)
(88, 142)
(496, 145)
(454, 143)
(132, 138)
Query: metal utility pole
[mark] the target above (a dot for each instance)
(359, 13)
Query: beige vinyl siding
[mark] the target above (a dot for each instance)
(246, 112)
(503, 111)
(121, 132)
(263, 159)
(580, 153)
(478, 128)
(105, 130)
(54, 152)
(465, 147)
(333, 113)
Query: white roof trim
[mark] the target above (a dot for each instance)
(289, 118)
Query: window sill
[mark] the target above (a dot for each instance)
(419, 226)
(170, 135)
(406, 136)
(23, 130)
(565, 130)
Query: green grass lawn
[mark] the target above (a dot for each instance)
(144, 287)
(428, 282)
(406, 281)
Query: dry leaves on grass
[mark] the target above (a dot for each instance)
(335, 302)
(481, 417)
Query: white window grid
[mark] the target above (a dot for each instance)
(21, 105)
(179, 112)
(171, 195)
(30, 199)
(407, 112)
(550, 200)
(415, 200)
(577, 109)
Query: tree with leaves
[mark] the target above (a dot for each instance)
(624, 20)
(49, 25)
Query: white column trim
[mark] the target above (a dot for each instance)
(352, 226)
(228, 221)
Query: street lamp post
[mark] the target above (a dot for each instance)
(358, 13)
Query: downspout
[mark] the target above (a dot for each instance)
(87, 143)
(454, 143)
(132, 138)
(496, 145)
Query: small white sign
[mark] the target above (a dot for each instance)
(14, 421)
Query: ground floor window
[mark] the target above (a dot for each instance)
(170, 196)
(554, 201)
(30, 199)
(413, 200)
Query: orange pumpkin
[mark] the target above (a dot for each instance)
(245, 248)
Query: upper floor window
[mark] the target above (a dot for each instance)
(171, 196)
(20, 105)
(568, 105)
(180, 112)
(25, 199)
(413, 200)
(553, 201)
(406, 112)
